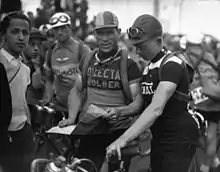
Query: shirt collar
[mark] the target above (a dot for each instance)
(8, 56)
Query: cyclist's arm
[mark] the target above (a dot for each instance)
(134, 78)
(36, 78)
(49, 91)
(75, 99)
(171, 75)
(135, 106)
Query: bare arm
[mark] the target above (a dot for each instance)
(135, 106)
(49, 91)
(37, 81)
(75, 99)
(164, 91)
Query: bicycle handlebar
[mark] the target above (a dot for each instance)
(49, 107)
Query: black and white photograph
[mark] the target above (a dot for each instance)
(110, 86)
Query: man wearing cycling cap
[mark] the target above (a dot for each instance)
(47, 30)
(174, 131)
(35, 60)
(62, 60)
(45, 27)
(104, 81)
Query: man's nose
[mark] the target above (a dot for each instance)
(105, 37)
(36, 47)
(59, 30)
(21, 36)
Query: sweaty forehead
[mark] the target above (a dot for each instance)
(19, 24)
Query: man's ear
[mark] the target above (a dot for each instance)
(159, 40)
(93, 32)
(119, 30)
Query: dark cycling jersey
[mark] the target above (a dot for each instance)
(175, 124)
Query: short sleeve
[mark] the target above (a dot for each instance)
(86, 50)
(134, 73)
(81, 63)
(172, 70)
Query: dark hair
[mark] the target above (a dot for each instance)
(12, 15)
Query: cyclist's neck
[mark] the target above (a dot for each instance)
(159, 55)
(66, 42)
(105, 55)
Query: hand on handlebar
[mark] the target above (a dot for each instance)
(66, 122)
(115, 148)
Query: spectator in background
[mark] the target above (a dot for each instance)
(34, 55)
(204, 64)
(48, 32)
(91, 42)
(31, 17)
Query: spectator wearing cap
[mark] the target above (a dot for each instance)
(35, 60)
(48, 32)
(205, 91)
(62, 60)
(174, 131)
(106, 90)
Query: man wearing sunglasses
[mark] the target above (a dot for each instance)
(174, 130)
(62, 60)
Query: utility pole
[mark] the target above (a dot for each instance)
(156, 8)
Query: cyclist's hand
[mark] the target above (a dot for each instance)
(66, 122)
(112, 113)
(115, 148)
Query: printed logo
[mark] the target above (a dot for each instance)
(147, 88)
(103, 78)
(197, 95)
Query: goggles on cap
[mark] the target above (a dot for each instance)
(62, 19)
(134, 33)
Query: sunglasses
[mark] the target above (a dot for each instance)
(62, 19)
(134, 33)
